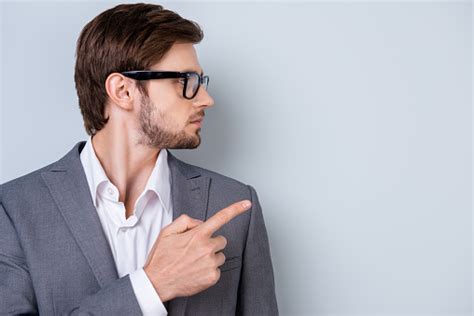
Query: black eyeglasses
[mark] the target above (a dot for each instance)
(192, 80)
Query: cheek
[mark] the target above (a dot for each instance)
(169, 90)
(163, 94)
(174, 109)
(176, 115)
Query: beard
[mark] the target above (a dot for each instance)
(162, 133)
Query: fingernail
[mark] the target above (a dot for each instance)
(246, 204)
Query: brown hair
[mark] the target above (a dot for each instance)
(126, 37)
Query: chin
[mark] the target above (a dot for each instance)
(193, 141)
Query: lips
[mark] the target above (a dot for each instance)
(198, 120)
(196, 123)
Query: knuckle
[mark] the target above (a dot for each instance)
(217, 260)
(219, 217)
(227, 217)
(210, 276)
(224, 241)
(220, 241)
(220, 259)
(185, 217)
(214, 276)
(197, 221)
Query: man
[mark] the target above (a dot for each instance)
(119, 226)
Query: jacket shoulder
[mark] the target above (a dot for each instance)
(220, 178)
(23, 184)
(32, 181)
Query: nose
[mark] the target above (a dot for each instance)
(203, 98)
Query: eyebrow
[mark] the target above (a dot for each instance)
(186, 70)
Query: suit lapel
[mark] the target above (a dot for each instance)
(190, 194)
(189, 190)
(67, 183)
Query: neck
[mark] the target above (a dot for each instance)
(127, 163)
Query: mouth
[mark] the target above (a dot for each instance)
(198, 121)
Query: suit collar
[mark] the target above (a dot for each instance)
(67, 183)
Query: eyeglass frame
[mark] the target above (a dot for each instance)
(152, 74)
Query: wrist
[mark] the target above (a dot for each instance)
(164, 294)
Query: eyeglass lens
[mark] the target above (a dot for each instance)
(193, 84)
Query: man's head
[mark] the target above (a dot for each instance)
(140, 37)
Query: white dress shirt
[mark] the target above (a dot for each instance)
(132, 239)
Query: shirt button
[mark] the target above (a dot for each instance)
(110, 191)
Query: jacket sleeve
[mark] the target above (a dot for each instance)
(256, 295)
(17, 295)
(16, 289)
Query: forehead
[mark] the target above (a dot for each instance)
(180, 57)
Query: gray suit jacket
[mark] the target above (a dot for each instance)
(55, 259)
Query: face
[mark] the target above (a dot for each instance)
(165, 116)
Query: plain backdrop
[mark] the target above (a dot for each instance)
(351, 119)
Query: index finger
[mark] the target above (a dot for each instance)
(224, 216)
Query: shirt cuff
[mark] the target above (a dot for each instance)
(147, 297)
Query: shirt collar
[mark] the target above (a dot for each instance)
(158, 181)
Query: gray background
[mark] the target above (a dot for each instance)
(351, 119)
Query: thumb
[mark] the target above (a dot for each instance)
(181, 225)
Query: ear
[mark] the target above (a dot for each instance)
(121, 90)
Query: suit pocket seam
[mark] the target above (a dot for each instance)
(231, 264)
